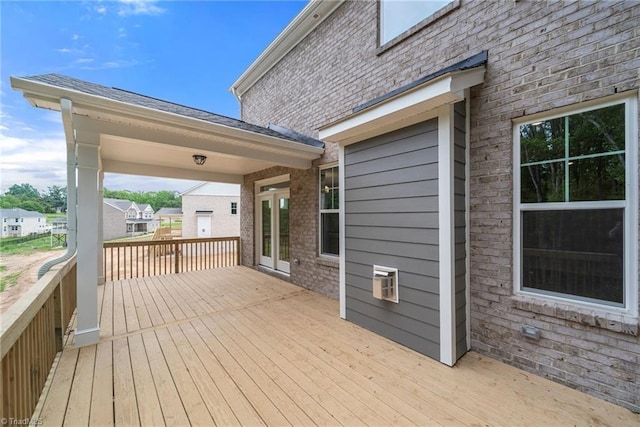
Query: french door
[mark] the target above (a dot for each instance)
(273, 225)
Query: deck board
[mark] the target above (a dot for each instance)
(102, 394)
(232, 346)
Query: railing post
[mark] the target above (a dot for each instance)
(176, 257)
(58, 296)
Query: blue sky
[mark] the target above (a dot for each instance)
(189, 52)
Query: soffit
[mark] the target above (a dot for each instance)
(137, 140)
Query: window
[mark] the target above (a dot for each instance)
(575, 192)
(234, 208)
(329, 211)
(397, 16)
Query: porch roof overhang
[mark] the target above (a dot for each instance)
(139, 135)
(410, 104)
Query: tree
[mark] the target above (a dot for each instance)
(9, 201)
(55, 197)
(32, 205)
(24, 192)
(157, 200)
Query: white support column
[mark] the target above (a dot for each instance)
(342, 228)
(446, 234)
(467, 212)
(88, 330)
(100, 226)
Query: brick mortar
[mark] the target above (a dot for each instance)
(542, 55)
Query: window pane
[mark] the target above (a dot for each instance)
(397, 16)
(597, 131)
(578, 252)
(542, 183)
(283, 221)
(330, 233)
(597, 178)
(276, 186)
(329, 188)
(266, 228)
(542, 141)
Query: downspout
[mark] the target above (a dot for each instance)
(66, 110)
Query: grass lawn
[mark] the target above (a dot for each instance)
(8, 281)
(10, 247)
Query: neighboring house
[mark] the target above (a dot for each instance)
(468, 179)
(18, 222)
(122, 218)
(211, 210)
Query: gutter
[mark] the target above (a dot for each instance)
(312, 15)
(72, 232)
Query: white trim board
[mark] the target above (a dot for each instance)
(446, 230)
(407, 108)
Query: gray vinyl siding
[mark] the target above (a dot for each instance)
(459, 206)
(391, 219)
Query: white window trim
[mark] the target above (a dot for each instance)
(321, 211)
(424, 22)
(629, 310)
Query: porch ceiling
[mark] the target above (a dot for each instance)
(144, 136)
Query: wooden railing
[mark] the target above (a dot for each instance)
(31, 335)
(127, 260)
(167, 233)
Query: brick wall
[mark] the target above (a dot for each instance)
(312, 272)
(542, 55)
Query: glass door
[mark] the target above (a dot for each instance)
(283, 233)
(273, 234)
(266, 227)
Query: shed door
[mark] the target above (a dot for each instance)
(204, 226)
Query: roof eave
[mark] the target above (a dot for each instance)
(313, 14)
(48, 96)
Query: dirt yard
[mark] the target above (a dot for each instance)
(27, 267)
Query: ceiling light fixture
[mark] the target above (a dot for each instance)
(199, 159)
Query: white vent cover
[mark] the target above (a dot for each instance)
(385, 283)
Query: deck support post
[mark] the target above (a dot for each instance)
(100, 227)
(87, 331)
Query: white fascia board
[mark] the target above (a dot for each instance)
(404, 109)
(48, 96)
(314, 13)
(195, 187)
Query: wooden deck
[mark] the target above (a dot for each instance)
(233, 346)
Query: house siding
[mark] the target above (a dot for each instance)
(391, 219)
(459, 207)
(542, 55)
(223, 223)
(114, 223)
